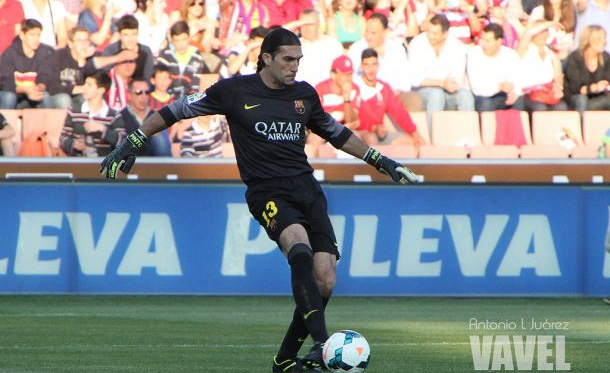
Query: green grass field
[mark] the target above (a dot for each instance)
(241, 334)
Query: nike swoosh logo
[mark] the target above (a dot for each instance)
(305, 316)
(248, 107)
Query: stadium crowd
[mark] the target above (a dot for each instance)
(111, 63)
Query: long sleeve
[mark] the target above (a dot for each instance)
(7, 69)
(66, 138)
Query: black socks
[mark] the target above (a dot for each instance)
(308, 317)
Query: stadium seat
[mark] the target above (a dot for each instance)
(488, 127)
(38, 121)
(595, 124)
(327, 151)
(398, 151)
(585, 151)
(310, 151)
(228, 151)
(13, 117)
(495, 151)
(443, 152)
(544, 151)
(421, 122)
(456, 128)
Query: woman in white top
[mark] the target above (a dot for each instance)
(541, 70)
(153, 24)
(53, 19)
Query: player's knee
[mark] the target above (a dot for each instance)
(301, 253)
(326, 282)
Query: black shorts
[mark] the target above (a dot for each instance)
(278, 203)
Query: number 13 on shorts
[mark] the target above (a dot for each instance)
(269, 212)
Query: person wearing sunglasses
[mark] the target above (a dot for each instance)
(134, 114)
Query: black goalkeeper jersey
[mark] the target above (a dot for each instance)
(267, 125)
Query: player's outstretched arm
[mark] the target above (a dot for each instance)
(383, 164)
(124, 156)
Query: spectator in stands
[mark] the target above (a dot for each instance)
(73, 8)
(561, 33)
(243, 60)
(133, 115)
(592, 12)
(122, 7)
(464, 24)
(346, 22)
(394, 65)
(121, 76)
(11, 16)
(540, 70)
(87, 131)
(587, 78)
(153, 24)
(438, 65)
(52, 15)
(377, 100)
(97, 19)
(159, 97)
(161, 81)
(184, 61)
(7, 133)
(285, 13)
(319, 50)
(25, 71)
(493, 73)
(497, 11)
(128, 40)
(69, 66)
(204, 137)
(239, 17)
(339, 97)
(202, 26)
(401, 19)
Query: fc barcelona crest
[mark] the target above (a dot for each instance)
(299, 106)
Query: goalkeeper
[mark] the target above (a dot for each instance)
(267, 114)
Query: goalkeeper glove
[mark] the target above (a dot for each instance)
(388, 166)
(123, 157)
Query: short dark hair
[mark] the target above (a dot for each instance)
(381, 18)
(76, 29)
(101, 79)
(30, 24)
(273, 41)
(179, 28)
(127, 22)
(136, 79)
(160, 68)
(258, 32)
(496, 29)
(440, 19)
(368, 53)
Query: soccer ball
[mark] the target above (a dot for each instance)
(346, 352)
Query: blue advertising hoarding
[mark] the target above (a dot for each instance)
(186, 238)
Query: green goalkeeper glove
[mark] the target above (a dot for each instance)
(388, 166)
(124, 156)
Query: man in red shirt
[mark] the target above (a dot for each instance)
(339, 97)
(377, 100)
(11, 15)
